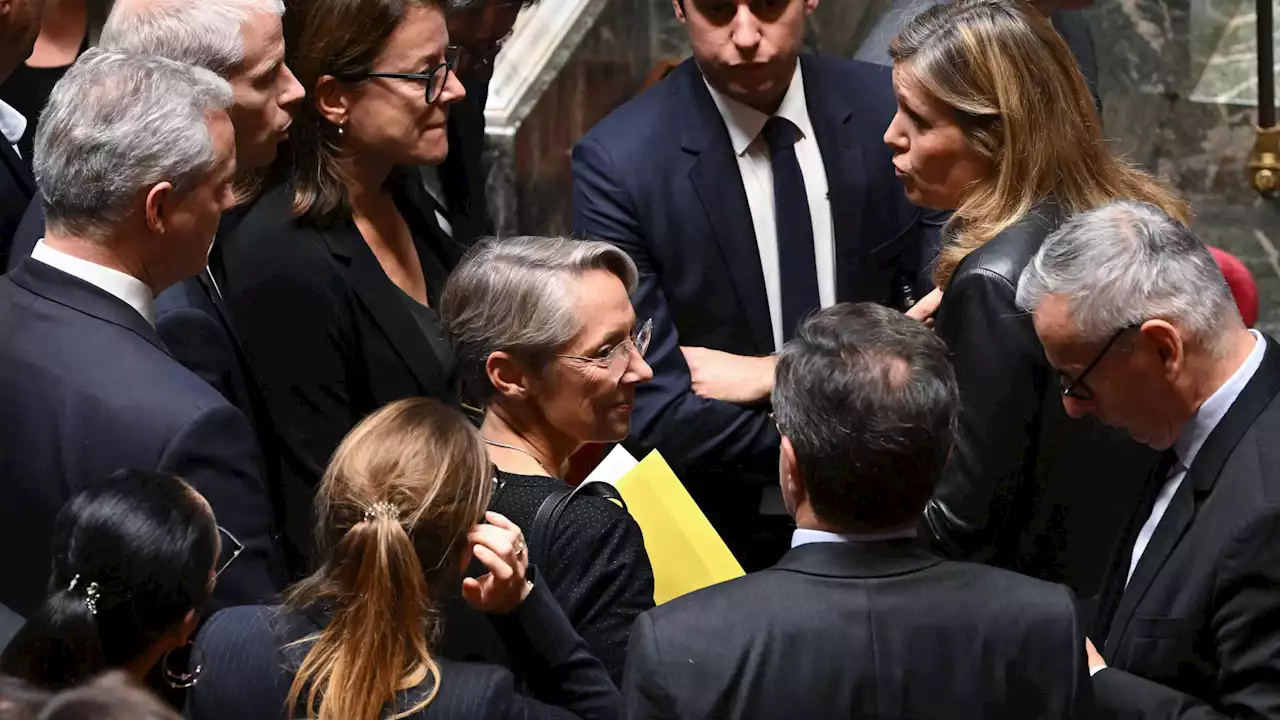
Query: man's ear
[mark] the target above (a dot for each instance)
(508, 375)
(810, 6)
(789, 476)
(678, 6)
(332, 99)
(1168, 345)
(160, 199)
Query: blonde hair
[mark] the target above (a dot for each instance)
(1024, 107)
(393, 511)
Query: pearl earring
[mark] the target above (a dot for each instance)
(339, 131)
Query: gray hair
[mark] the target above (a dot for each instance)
(1125, 263)
(204, 33)
(869, 401)
(116, 124)
(466, 5)
(512, 295)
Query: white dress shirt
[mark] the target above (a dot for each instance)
(132, 291)
(1192, 438)
(745, 125)
(12, 124)
(435, 188)
(803, 536)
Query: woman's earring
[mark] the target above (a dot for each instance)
(179, 680)
(339, 131)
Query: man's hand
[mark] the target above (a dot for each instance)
(1095, 659)
(737, 379)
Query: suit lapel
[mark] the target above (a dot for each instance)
(718, 183)
(17, 168)
(385, 303)
(842, 155)
(72, 292)
(1196, 486)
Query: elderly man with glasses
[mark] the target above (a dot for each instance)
(1136, 317)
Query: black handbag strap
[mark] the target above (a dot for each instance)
(543, 533)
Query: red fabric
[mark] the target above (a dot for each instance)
(1240, 280)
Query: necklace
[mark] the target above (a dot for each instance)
(520, 450)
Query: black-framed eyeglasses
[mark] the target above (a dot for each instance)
(619, 357)
(1076, 387)
(436, 78)
(231, 549)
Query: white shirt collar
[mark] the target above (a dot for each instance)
(1197, 430)
(129, 289)
(803, 536)
(745, 123)
(12, 123)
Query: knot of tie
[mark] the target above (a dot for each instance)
(780, 133)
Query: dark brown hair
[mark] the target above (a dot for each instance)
(393, 512)
(341, 38)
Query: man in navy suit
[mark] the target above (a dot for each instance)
(243, 41)
(87, 386)
(751, 187)
(19, 26)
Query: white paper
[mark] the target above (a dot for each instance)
(614, 467)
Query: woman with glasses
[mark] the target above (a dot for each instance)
(547, 339)
(400, 513)
(334, 275)
(996, 123)
(134, 560)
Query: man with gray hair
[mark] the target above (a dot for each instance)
(242, 41)
(1136, 317)
(134, 160)
(858, 620)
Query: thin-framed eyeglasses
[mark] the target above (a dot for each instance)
(1076, 387)
(436, 78)
(236, 547)
(619, 357)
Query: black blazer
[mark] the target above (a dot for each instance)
(17, 189)
(247, 673)
(658, 177)
(597, 569)
(1026, 488)
(87, 388)
(1195, 632)
(28, 230)
(865, 630)
(329, 337)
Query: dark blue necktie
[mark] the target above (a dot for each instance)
(796, 264)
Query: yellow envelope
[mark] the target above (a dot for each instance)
(687, 554)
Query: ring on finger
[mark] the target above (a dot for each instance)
(520, 547)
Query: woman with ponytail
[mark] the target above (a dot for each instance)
(134, 560)
(400, 513)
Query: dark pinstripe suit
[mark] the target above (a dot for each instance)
(247, 675)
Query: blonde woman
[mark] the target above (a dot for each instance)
(996, 123)
(401, 512)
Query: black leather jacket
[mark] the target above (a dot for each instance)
(1026, 487)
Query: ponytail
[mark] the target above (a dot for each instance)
(59, 646)
(378, 642)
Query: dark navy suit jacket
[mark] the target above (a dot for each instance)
(658, 177)
(88, 387)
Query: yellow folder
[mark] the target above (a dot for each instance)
(687, 554)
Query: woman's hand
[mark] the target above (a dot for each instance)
(925, 309)
(500, 546)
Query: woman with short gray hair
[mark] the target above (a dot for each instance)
(547, 339)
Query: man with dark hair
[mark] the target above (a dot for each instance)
(19, 26)
(478, 28)
(751, 186)
(858, 620)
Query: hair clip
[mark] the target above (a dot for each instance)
(91, 594)
(91, 598)
(382, 509)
